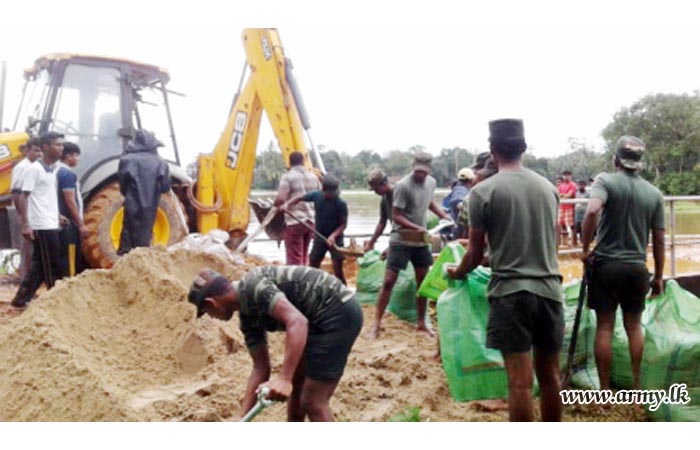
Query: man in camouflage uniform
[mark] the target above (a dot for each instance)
(321, 319)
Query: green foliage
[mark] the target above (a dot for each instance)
(686, 183)
(269, 168)
(411, 414)
(669, 124)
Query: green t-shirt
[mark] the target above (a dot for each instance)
(518, 212)
(414, 199)
(315, 293)
(631, 208)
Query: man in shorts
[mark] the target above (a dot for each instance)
(630, 208)
(319, 315)
(409, 240)
(379, 184)
(517, 210)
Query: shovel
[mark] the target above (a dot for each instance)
(263, 402)
(342, 251)
(569, 369)
(265, 222)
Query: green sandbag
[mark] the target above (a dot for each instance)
(370, 277)
(435, 281)
(403, 297)
(431, 220)
(672, 350)
(473, 371)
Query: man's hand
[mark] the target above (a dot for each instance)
(280, 388)
(63, 221)
(657, 286)
(368, 245)
(284, 207)
(331, 243)
(587, 260)
(83, 230)
(455, 274)
(384, 254)
(27, 232)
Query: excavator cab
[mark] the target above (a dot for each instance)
(99, 103)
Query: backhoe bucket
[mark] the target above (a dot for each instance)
(275, 229)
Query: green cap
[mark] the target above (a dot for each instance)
(630, 150)
(506, 130)
(423, 161)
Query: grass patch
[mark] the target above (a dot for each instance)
(411, 414)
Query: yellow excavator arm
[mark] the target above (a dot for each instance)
(225, 176)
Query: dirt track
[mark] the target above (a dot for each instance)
(123, 345)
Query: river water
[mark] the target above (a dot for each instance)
(363, 208)
(363, 215)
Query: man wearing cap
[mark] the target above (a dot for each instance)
(321, 320)
(465, 178)
(379, 184)
(484, 168)
(331, 219)
(516, 209)
(297, 235)
(629, 208)
(409, 240)
(143, 177)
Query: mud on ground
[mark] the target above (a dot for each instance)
(123, 344)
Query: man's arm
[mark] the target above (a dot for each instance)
(659, 250)
(293, 201)
(439, 211)
(338, 231)
(71, 204)
(474, 255)
(378, 230)
(590, 221)
(283, 192)
(296, 329)
(260, 374)
(27, 231)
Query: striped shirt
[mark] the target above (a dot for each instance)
(315, 293)
(299, 181)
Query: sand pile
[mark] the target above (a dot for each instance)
(123, 344)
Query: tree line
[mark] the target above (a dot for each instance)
(669, 124)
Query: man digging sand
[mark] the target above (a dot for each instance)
(321, 319)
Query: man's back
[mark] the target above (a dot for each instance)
(299, 181)
(518, 212)
(631, 204)
(42, 206)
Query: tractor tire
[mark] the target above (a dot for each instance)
(104, 215)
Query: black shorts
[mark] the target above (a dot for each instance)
(327, 350)
(319, 249)
(400, 255)
(521, 320)
(613, 283)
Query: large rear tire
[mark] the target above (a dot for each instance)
(103, 218)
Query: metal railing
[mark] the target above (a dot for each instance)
(670, 201)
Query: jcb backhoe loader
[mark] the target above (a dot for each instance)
(99, 102)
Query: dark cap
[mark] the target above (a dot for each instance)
(330, 183)
(376, 177)
(506, 130)
(207, 283)
(481, 160)
(423, 161)
(630, 150)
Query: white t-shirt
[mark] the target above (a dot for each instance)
(42, 209)
(17, 172)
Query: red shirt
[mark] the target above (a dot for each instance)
(567, 187)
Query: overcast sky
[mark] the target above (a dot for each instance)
(390, 75)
